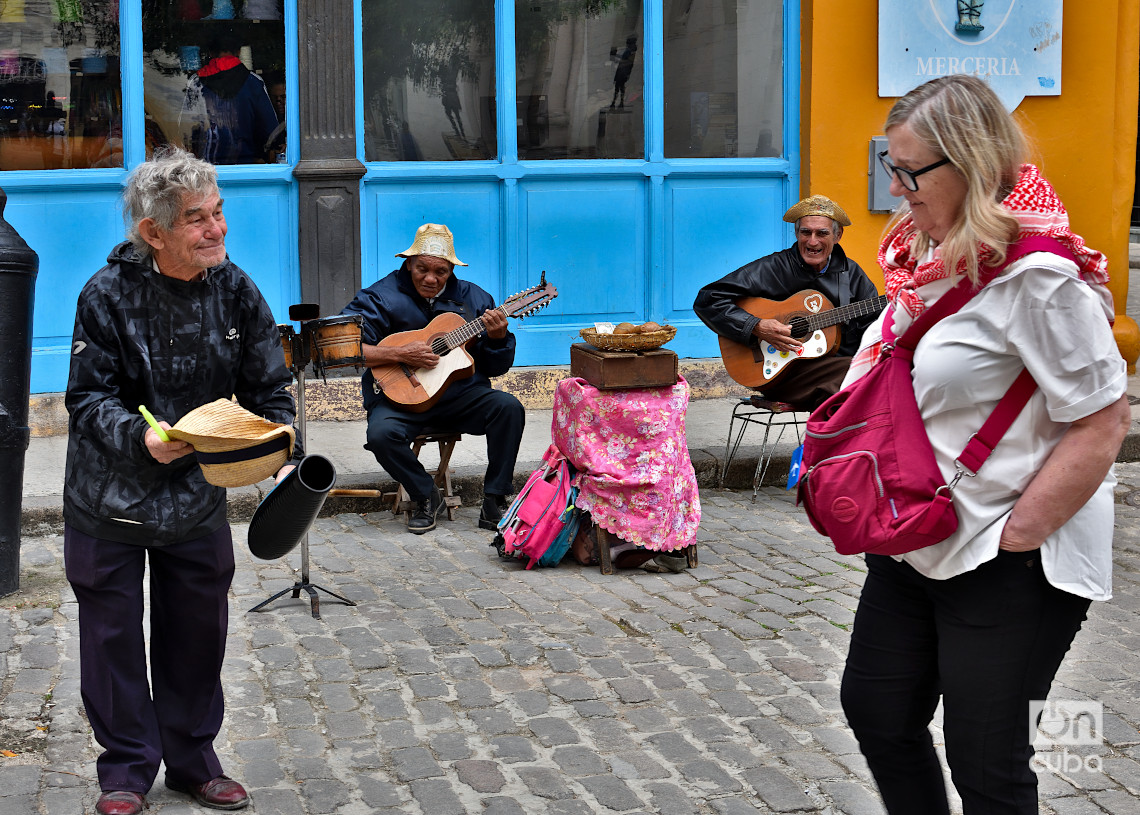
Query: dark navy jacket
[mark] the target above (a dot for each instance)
(777, 277)
(391, 305)
(145, 339)
(241, 115)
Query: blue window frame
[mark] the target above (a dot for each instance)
(71, 217)
(624, 238)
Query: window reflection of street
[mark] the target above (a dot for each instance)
(723, 78)
(227, 119)
(429, 80)
(580, 79)
(60, 97)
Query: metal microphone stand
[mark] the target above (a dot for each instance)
(303, 313)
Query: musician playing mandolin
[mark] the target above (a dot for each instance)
(407, 300)
(815, 262)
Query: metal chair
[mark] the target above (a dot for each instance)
(774, 417)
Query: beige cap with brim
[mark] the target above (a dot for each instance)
(235, 448)
(435, 240)
(817, 205)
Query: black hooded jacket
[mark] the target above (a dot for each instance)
(170, 345)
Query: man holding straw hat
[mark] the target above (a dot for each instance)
(170, 324)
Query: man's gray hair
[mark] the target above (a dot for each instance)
(157, 188)
(836, 229)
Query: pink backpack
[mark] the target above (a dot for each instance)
(539, 515)
(870, 480)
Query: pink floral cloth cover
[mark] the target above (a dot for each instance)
(634, 473)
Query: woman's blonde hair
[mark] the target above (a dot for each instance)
(961, 118)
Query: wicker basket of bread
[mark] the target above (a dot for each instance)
(629, 337)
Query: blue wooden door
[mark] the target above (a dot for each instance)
(632, 155)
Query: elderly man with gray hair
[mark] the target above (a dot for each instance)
(793, 367)
(169, 323)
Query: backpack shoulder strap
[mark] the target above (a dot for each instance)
(982, 443)
(964, 291)
(1035, 243)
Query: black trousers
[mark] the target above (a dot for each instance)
(476, 411)
(987, 642)
(809, 382)
(175, 717)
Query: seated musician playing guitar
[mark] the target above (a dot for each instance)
(407, 300)
(793, 365)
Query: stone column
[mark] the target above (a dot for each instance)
(328, 171)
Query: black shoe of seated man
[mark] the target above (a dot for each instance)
(426, 512)
(492, 512)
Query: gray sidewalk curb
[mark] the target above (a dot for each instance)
(44, 514)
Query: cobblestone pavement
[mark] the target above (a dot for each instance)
(460, 684)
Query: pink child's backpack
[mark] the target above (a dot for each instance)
(535, 524)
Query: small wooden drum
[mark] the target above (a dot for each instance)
(288, 341)
(336, 341)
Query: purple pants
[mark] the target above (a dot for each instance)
(176, 719)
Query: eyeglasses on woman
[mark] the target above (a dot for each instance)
(908, 178)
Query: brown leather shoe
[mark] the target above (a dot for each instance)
(120, 802)
(217, 793)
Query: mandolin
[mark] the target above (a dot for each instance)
(417, 389)
(814, 322)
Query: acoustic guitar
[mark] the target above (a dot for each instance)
(814, 321)
(417, 389)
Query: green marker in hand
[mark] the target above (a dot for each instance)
(151, 421)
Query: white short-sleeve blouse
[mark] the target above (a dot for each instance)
(1041, 316)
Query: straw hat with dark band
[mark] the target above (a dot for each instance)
(817, 205)
(235, 448)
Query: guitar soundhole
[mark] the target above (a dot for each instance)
(800, 327)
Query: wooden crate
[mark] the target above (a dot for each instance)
(615, 370)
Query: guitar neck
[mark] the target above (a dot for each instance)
(851, 311)
(464, 334)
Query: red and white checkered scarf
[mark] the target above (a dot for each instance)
(1038, 209)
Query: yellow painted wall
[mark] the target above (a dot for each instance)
(1084, 139)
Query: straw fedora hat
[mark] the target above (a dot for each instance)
(817, 205)
(435, 240)
(235, 448)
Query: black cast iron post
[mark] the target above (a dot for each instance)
(18, 268)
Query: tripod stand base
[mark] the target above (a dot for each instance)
(311, 589)
(303, 312)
